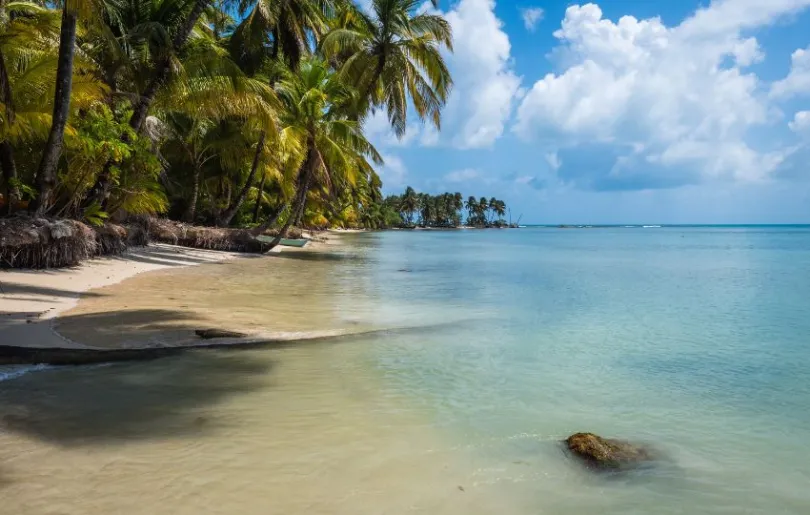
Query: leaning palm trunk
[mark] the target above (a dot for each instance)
(259, 196)
(300, 197)
(162, 69)
(100, 191)
(46, 175)
(229, 213)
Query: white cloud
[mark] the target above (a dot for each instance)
(798, 80)
(429, 136)
(485, 84)
(393, 172)
(464, 175)
(801, 123)
(378, 130)
(553, 160)
(676, 96)
(531, 17)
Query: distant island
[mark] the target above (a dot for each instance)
(412, 210)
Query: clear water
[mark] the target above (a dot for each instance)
(696, 340)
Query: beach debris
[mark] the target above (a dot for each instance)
(210, 334)
(605, 453)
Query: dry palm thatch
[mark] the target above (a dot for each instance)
(211, 238)
(40, 243)
(111, 240)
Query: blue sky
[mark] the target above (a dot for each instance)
(621, 111)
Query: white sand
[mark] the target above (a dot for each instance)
(30, 300)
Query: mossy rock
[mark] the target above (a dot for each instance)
(606, 453)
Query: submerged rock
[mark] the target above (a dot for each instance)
(605, 453)
(210, 334)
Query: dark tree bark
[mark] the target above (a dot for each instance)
(162, 69)
(191, 211)
(230, 212)
(300, 199)
(46, 175)
(9, 175)
(101, 189)
(259, 196)
(6, 151)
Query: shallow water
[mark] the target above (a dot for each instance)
(694, 339)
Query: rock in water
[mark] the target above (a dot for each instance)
(604, 453)
(210, 334)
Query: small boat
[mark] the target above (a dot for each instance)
(286, 242)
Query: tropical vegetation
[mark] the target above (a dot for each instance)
(239, 114)
(412, 209)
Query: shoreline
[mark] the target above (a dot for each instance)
(32, 300)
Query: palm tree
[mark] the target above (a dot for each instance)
(500, 208)
(472, 208)
(483, 208)
(395, 54)
(286, 24)
(46, 175)
(25, 59)
(314, 118)
(410, 203)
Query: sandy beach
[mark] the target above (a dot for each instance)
(31, 300)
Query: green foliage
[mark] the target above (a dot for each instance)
(250, 119)
(444, 210)
(95, 215)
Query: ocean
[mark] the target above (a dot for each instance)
(488, 348)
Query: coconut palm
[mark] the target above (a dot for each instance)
(46, 175)
(395, 54)
(25, 58)
(314, 118)
(410, 203)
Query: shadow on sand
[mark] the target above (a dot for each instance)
(123, 402)
(9, 290)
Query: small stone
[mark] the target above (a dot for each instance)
(210, 334)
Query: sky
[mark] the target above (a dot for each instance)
(621, 111)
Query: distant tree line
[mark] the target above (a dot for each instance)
(446, 210)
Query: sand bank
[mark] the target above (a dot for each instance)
(30, 300)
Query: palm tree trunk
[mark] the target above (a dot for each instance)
(259, 199)
(9, 175)
(229, 213)
(46, 175)
(161, 73)
(191, 211)
(7, 162)
(300, 197)
(100, 190)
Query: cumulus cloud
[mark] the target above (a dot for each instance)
(393, 172)
(801, 123)
(798, 80)
(485, 84)
(531, 17)
(675, 105)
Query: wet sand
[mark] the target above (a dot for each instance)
(296, 429)
(31, 300)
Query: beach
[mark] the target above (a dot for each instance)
(31, 300)
(459, 362)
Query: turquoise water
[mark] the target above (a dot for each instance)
(694, 339)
